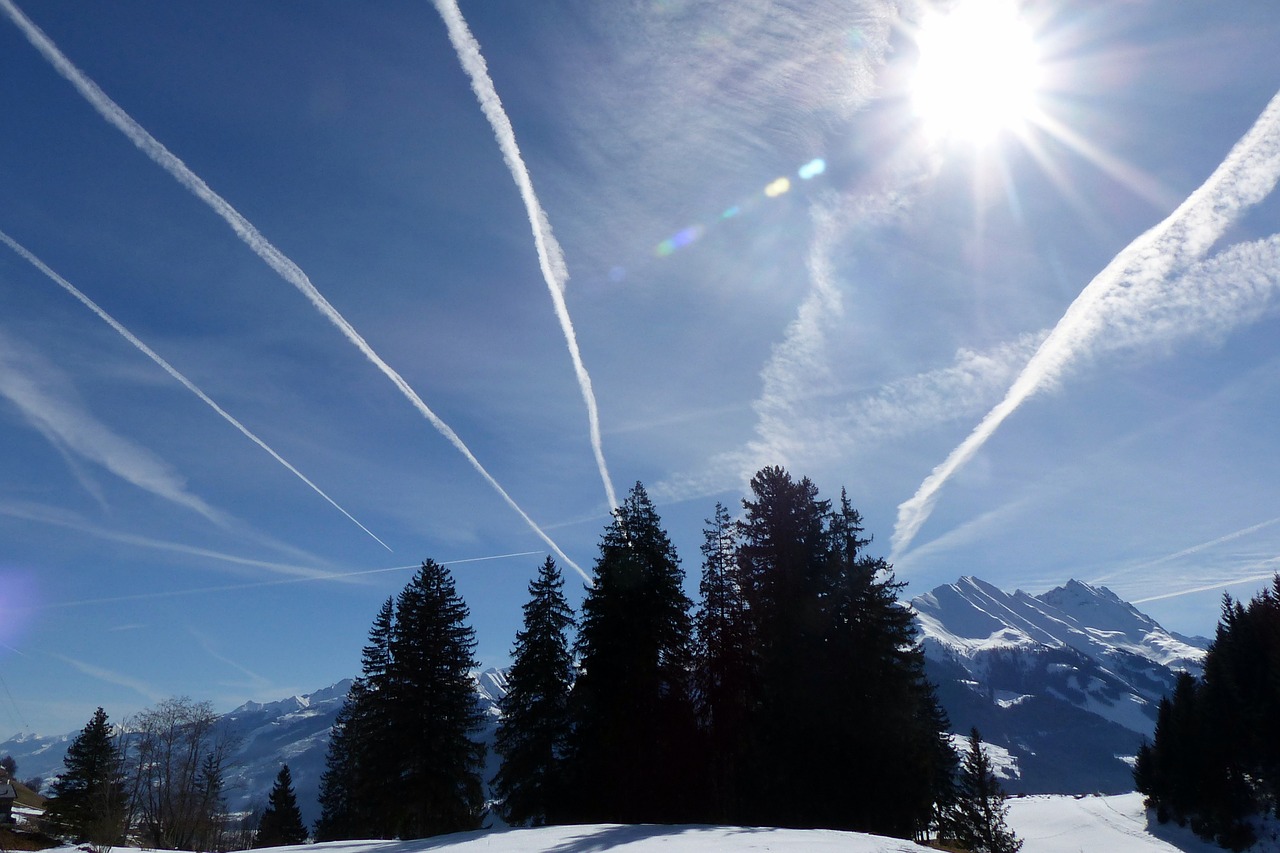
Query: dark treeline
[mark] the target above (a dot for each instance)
(1215, 760)
(792, 694)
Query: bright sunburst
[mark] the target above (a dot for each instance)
(978, 71)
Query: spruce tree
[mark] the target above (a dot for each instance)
(631, 751)
(534, 730)
(360, 763)
(281, 822)
(88, 801)
(340, 814)
(434, 713)
(977, 818)
(837, 673)
(722, 666)
(1215, 762)
(787, 585)
(404, 760)
(889, 715)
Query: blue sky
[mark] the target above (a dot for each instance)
(207, 488)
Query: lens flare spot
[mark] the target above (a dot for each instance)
(812, 169)
(18, 601)
(688, 236)
(680, 240)
(778, 187)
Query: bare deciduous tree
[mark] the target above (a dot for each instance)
(175, 754)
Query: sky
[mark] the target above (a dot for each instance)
(297, 294)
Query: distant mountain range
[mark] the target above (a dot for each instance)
(1062, 685)
(1067, 682)
(293, 731)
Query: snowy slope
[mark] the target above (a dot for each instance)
(1053, 824)
(1066, 682)
(1057, 824)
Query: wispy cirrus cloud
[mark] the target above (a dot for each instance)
(147, 691)
(803, 417)
(64, 518)
(50, 405)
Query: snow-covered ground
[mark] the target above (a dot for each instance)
(1064, 824)
(1047, 824)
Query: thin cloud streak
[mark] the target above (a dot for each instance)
(1140, 271)
(1194, 549)
(206, 644)
(1210, 587)
(550, 256)
(150, 693)
(66, 424)
(57, 518)
(251, 237)
(172, 371)
(176, 593)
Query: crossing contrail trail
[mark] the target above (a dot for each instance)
(550, 257)
(1247, 175)
(251, 237)
(172, 371)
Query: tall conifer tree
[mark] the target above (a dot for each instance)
(837, 677)
(783, 560)
(88, 802)
(977, 818)
(435, 718)
(722, 665)
(534, 730)
(281, 822)
(1215, 762)
(889, 714)
(631, 752)
(404, 758)
(360, 763)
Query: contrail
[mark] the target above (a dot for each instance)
(550, 256)
(57, 518)
(1194, 549)
(1247, 175)
(172, 371)
(251, 237)
(1181, 592)
(174, 593)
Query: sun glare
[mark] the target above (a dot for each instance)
(978, 71)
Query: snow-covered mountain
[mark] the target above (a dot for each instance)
(1067, 681)
(293, 731)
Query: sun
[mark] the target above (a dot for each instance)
(978, 73)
